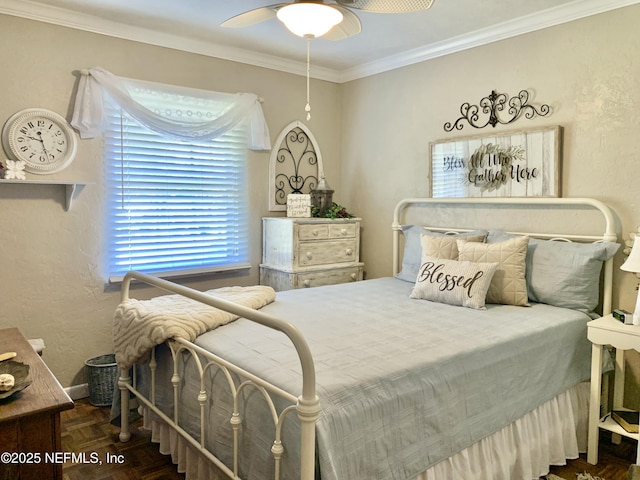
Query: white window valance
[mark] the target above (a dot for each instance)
(210, 114)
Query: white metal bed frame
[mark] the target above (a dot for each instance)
(307, 404)
(609, 234)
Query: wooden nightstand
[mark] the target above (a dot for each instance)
(309, 252)
(30, 421)
(608, 331)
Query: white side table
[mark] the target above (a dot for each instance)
(608, 331)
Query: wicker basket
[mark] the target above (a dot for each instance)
(102, 374)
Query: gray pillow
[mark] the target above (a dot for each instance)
(412, 253)
(564, 274)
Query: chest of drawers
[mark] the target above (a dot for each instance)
(30, 421)
(309, 252)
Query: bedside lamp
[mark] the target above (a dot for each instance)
(632, 264)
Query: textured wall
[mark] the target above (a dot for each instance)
(51, 276)
(374, 134)
(587, 71)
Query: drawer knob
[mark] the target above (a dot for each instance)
(307, 283)
(315, 233)
(343, 231)
(309, 255)
(349, 252)
(354, 276)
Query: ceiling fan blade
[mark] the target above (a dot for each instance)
(387, 6)
(349, 26)
(252, 17)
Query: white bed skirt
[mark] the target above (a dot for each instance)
(551, 434)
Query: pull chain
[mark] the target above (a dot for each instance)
(307, 107)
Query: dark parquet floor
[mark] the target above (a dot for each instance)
(613, 461)
(87, 429)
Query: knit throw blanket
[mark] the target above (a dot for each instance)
(139, 325)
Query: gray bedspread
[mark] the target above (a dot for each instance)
(406, 383)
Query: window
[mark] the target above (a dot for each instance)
(174, 207)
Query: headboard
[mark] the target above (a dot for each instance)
(606, 213)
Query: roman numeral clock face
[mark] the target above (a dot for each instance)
(41, 138)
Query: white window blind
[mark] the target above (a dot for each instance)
(174, 207)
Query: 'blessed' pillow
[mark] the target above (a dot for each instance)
(453, 282)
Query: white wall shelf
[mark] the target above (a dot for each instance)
(71, 188)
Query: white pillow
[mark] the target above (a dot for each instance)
(445, 246)
(509, 284)
(412, 252)
(453, 282)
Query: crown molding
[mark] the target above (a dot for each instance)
(531, 23)
(89, 23)
(554, 16)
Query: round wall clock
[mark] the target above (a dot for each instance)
(41, 138)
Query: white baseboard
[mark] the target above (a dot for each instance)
(76, 392)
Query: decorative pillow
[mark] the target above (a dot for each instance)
(453, 282)
(412, 253)
(445, 246)
(564, 274)
(509, 284)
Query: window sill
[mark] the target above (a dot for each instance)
(190, 273)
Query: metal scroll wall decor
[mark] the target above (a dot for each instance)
(492, 105)
(295, 165)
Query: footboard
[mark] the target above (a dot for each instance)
(306, 404)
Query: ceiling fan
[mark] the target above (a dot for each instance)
(332, 19)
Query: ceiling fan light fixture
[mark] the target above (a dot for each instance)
(309, 19)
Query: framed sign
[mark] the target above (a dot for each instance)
(299, 205)
(523, 163)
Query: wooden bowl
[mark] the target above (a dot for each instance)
(20, 372)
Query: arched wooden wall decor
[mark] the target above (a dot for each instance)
(295, 165)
